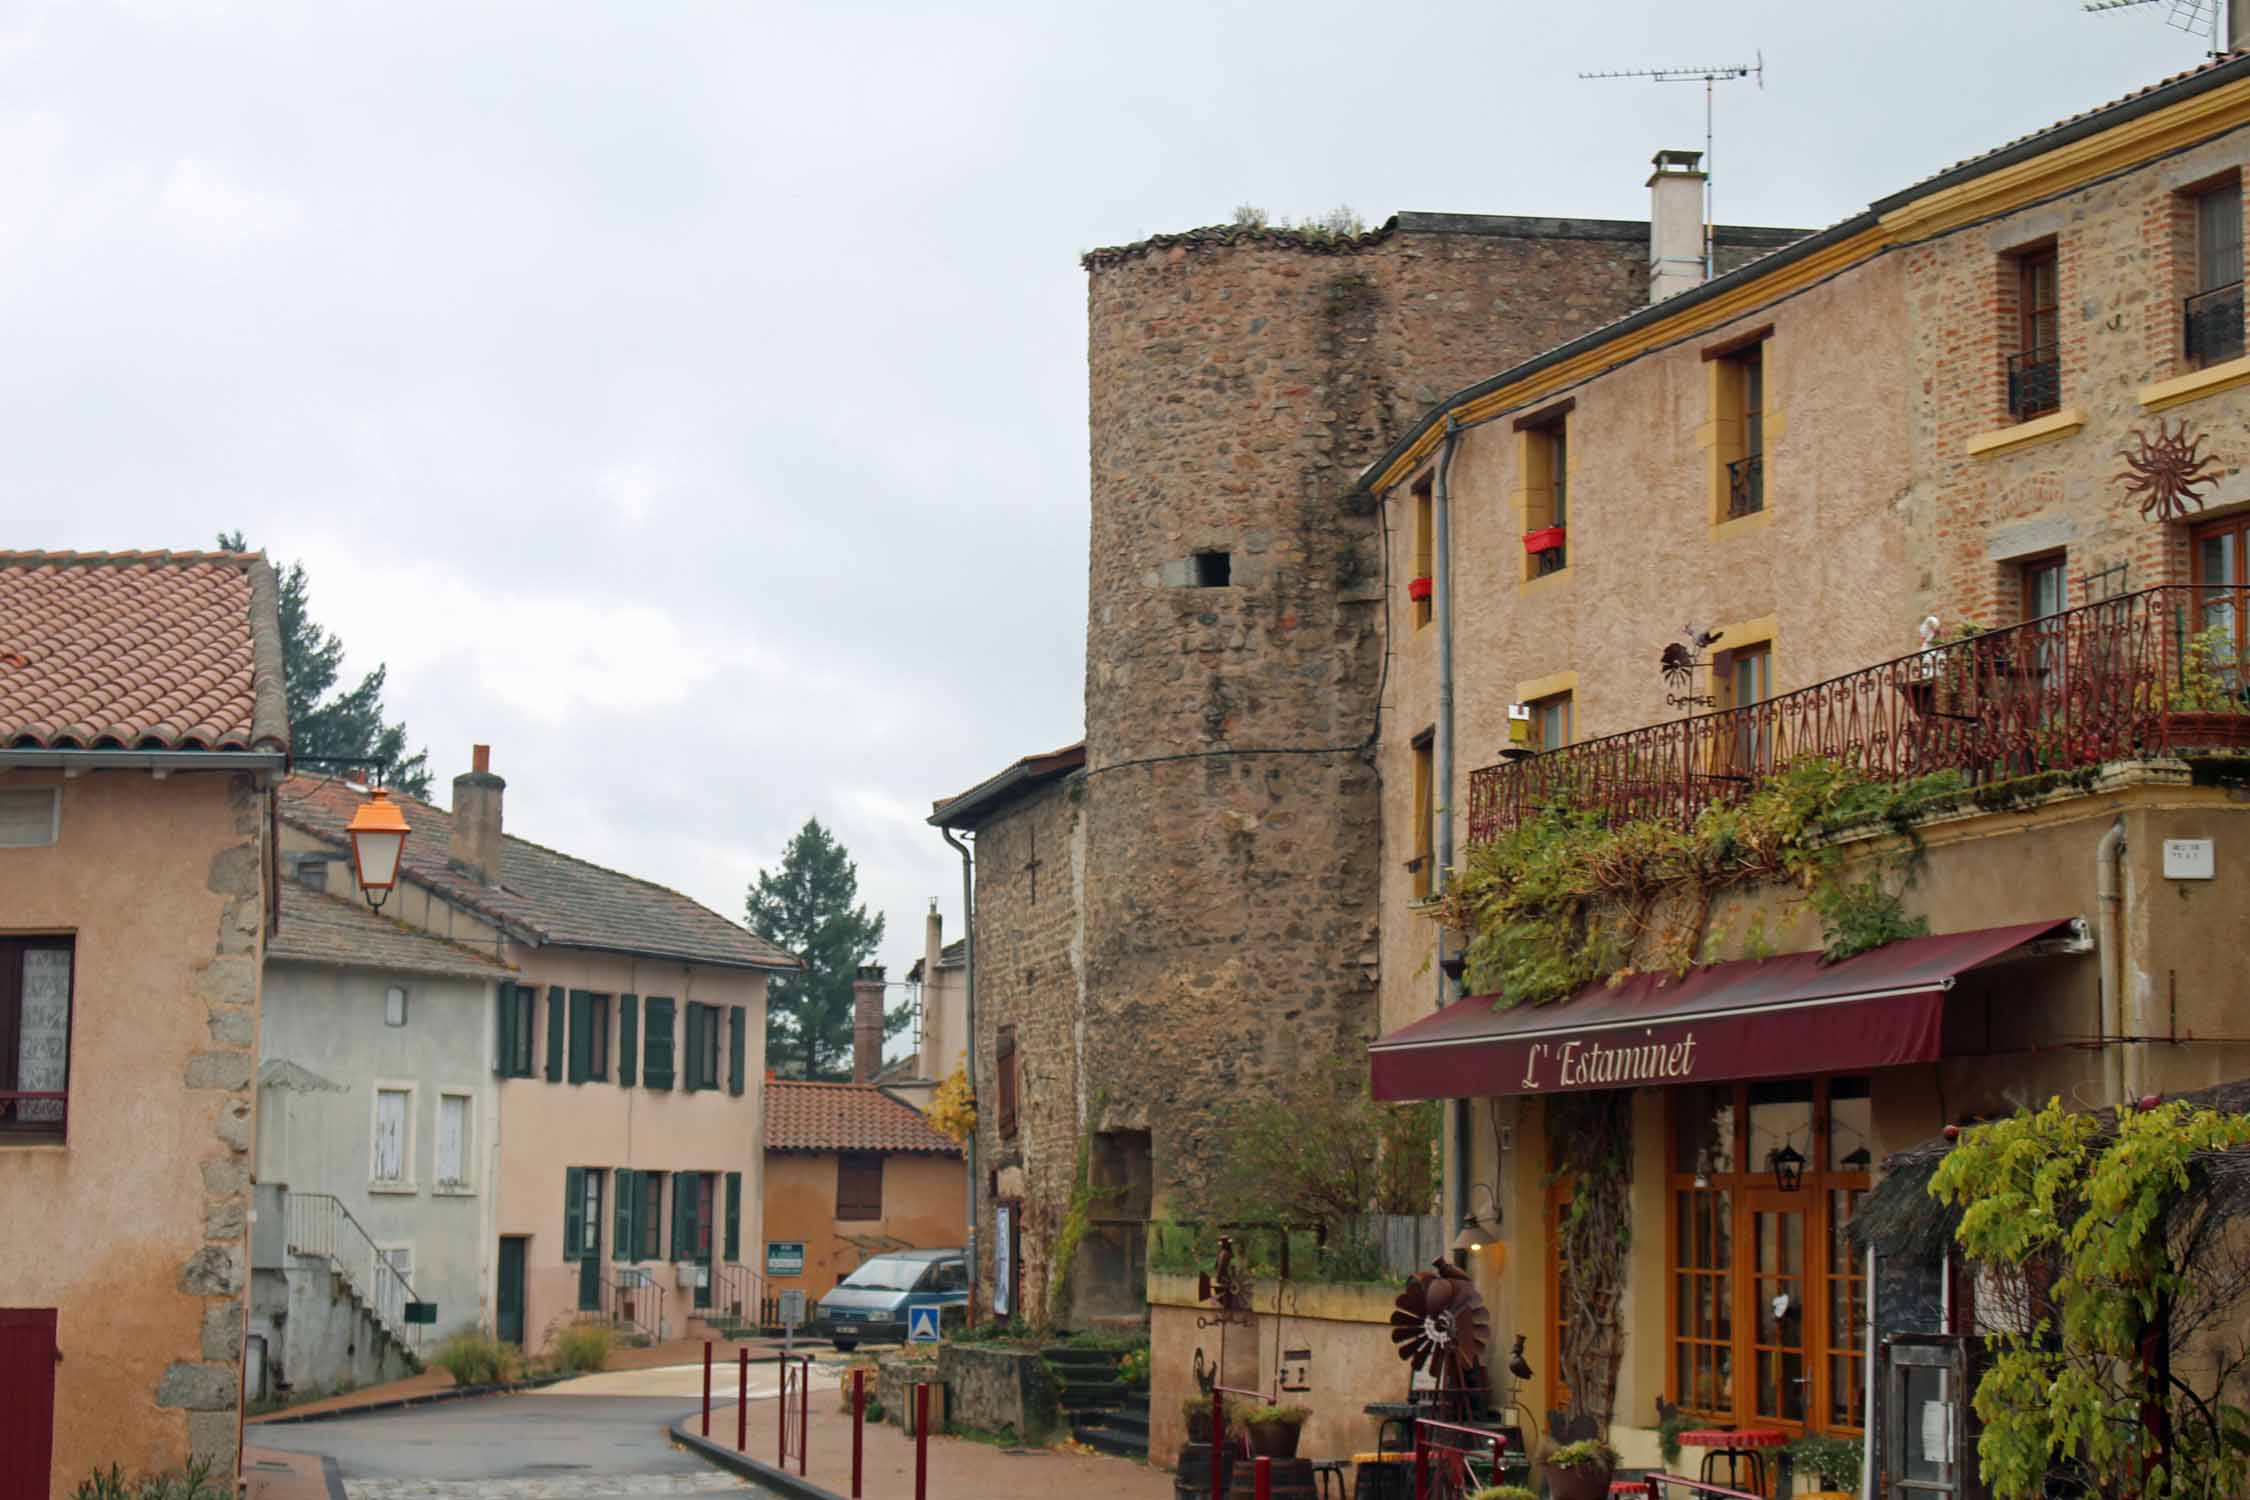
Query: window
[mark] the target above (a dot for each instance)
(582, 1212)
(699, 1060)
(1745, 678)
(1214, 570)
(519, 1030)
(2046, 587)
(1543, 456)
(394, 1005)
(2035, 360)
(2213, 323)
(656, 1042)
(1737, 441)
(1425, 552)
(859, 1185)
(1005, 1057)
(1550, 722)
(1767, 1294)
(2221, 553)
(30, 818)
(589, 1036)
(453, 1142)
(1424, 860)
(597, 1065)
(648, 1220)
(35, 1000)
(394, 1139)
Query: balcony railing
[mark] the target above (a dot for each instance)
(2117, 680)
(2214, 326)
(2034, 383)
(1746, 486)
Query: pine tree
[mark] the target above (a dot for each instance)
(807, 906)
(350, 724)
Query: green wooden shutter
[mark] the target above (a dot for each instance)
(574, 1210)
(734, 1215)
(628, 1245)
(738, 1042)
(581, 1035)
(554, 1033)
(652, 1215)
(628, 1039)
(656, 1046)
(683, 1215)
(691, 1048)
(505, 1036)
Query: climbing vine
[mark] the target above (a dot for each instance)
(1077, 1215)
(1593, 1141)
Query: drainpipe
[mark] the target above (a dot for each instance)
(2109, 854)
(969, 1053)
(1441, 590)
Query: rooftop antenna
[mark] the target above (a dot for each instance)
(2190, 16)
(1709, 76)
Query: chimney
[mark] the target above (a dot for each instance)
(867, 1023)
(1675, 224)
(477, 845)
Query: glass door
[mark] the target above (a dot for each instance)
(1779, 1378)
(2222, 590)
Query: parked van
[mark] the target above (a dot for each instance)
(871, 1304)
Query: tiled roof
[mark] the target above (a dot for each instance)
(322, 929)
(951, 956)
(992, 794)
(140, 651)
(549, 897)
(846, 1117)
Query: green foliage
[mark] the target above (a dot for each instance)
(2100, 1254)
(583, 1347)
(1835, 1459)
(809, 906)
(1243, 1418)
(192, 1483)
(1077, 1215)
(998, 1331)
(1323, 1151)
(1593, 1137)
(350, 724)
(1859, 915)
(1132, 1368)
(473, 1356)
(1191, 1405)
(1503, 1492)
(1348, 1258)
(1668, 1435)
(1587, 1453)
(2206, 682)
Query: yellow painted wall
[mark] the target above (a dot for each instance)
(924, 1201)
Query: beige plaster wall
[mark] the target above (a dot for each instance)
(922, 1203)
(136, 1228)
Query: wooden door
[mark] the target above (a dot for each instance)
(27, 1401)
(1778, 1376)
(590, 1246)
(510, 1319)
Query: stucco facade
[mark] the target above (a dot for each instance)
(921, 1210)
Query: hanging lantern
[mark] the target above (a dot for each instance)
(1788, 1165)
(378, 833)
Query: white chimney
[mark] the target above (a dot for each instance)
(1675, 224)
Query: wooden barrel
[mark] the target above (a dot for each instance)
(1193, 1479)
(1291, 1479)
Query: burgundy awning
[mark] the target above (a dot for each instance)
(1749, 1018)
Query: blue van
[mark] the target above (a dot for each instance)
(871, 1303)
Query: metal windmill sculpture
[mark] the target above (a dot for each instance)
(1441, 1325)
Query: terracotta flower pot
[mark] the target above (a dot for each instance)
(1274, 1439)
(1584, 1482)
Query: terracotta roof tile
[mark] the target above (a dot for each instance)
(140, 651)
(846, 1117)
(324, 929)
(547, 896)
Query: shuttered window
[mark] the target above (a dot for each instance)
(738, 1044)
(574, 1210)
(859, 1185)
(649, 1217)
(1006, 1057)
(554, 1033)
(656, 1043)
(518, 1031)
(699, 1061)
(453, 1141)
(589, 1037)
(390, 1135)
(734, 1216)
(628, 1038)
(628, 1240)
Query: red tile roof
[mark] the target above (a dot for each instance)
(140, 651)
(846, 1117)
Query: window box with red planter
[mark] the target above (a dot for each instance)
(1418, 589)
(1545, 539)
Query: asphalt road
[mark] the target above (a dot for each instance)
(512, 1448)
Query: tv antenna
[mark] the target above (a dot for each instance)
(2190, 16)
(1709, 76)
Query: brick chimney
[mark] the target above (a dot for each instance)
(867, 1023)
(1675, 224)
(477, 845)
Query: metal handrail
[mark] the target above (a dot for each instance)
(321, 1228)
(634, 1298)
(2034, 382)
(738, 1290)
(1746, 486)
(2100, 683)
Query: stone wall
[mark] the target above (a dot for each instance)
(991, 1388)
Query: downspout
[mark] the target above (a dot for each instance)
(2110, 964)
(1441, 589)
(969, 1053)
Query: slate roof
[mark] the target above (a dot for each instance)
(319, 928)
(140, 651)
(951, 956)
(543, 895)
(846, 1117)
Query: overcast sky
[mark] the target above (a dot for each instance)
(689, 399)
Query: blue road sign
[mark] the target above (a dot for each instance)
(922, 1325)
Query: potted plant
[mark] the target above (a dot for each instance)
(1272, 1430)
(1196, 1410)
(1581, 1470)
(1418, 589)
(1835, 1459)
(2204, 710)
(1544, 539)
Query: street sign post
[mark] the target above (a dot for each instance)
(922, 1324)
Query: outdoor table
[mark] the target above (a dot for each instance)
(1736, 1445)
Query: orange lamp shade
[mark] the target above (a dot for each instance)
(378, 833)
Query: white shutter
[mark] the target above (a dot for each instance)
(452, 1140)
(390, 1135)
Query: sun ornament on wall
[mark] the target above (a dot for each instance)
(2166, 474)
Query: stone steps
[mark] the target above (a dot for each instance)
(1122, 1431)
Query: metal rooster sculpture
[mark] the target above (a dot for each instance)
(1440, 1323)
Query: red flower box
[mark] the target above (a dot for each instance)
(1418, 589)
(1545, 539)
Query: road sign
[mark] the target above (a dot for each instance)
(792, 1307)
(785, 1257)
(922, 1324)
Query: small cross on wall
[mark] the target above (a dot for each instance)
(1031, 865)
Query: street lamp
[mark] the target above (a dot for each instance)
(378, 833)
(1788, 1165)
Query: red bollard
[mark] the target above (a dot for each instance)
(1421, 1466)
(1218, 1434)
(859, 1418)
(1264, 1477)
(781, 1437)
(804, 1412)
(706, 1387)
(921, 1442)
(742, 1404)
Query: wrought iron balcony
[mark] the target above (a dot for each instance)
(2034, 383)
(1746, 486)
(2121, 679)
(2214, 326)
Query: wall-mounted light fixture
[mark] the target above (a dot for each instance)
(378, 833)
(1477, 1231)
